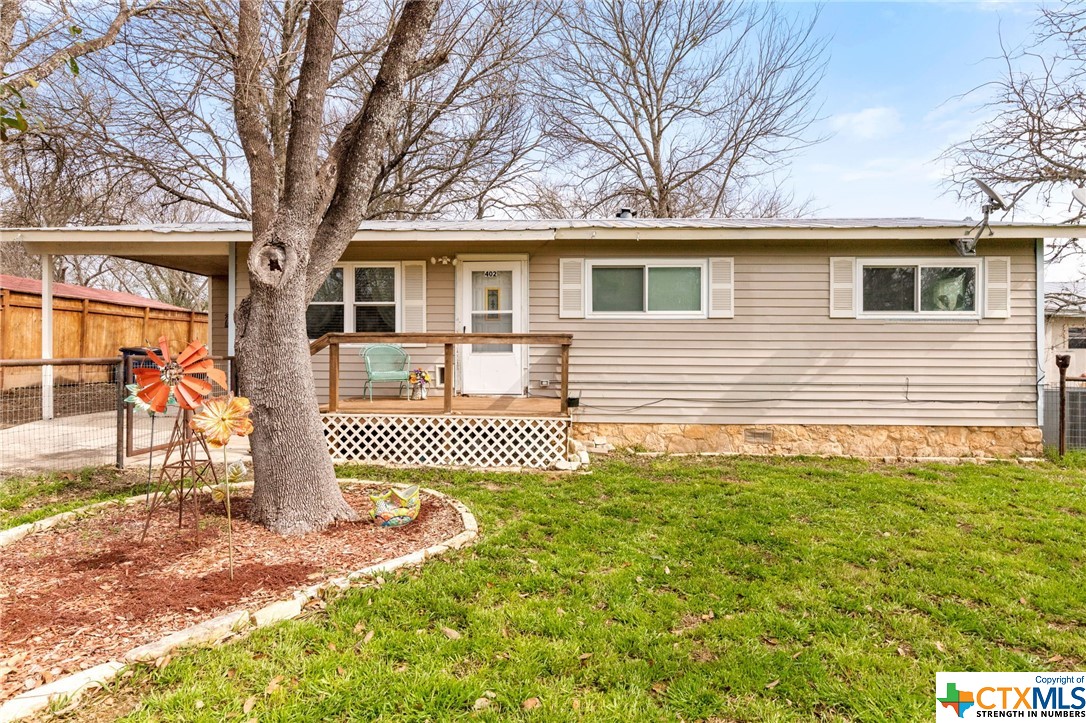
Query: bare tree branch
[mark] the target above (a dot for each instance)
(31, 74)
(249, 102)
(678, 109)
(1033, 146)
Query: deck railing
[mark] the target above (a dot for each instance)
(332, 342)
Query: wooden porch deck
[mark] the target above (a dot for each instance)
(463, 406)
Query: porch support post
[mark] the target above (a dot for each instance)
(231, 296)
(565, 378)
(449, 376)
(47, 335)
(333, 376)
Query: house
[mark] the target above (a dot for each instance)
(87, 323)
(868, 337)
(1065, 328)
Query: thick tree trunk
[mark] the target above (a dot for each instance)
(315, 215)
(295, 490)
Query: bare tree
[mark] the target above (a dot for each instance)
(48, 183)
(464, 143)
(34, 45)
(679, 109)
(300, 229)
(163, 104)
(1034, 143)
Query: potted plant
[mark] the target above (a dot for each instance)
(418, 379)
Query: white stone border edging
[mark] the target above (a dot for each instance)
(68, 689)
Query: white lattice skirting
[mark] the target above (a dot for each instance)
(440, 441)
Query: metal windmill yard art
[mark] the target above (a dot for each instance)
(188, 459)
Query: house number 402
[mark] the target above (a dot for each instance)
(490, 274)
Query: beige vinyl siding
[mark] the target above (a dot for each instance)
(783, 360)
(780, 360)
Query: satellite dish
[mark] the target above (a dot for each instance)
(1079, 194)
(997, 202)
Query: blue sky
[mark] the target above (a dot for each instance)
(893, 92)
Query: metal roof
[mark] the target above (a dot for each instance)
(568, 223)
(183, 239)
(70, 291)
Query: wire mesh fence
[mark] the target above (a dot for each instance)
(58, 416)
(70, 414)
(1076, 416)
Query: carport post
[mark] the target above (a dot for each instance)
(47, 335)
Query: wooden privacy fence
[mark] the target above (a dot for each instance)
(83, 328)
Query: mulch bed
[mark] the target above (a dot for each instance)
(87, 592)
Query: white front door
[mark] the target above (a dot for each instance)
(490, 302)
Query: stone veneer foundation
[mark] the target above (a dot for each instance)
(819, 439)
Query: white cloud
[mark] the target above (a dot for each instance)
(1012, 7)
(891, 167)
(869, 124)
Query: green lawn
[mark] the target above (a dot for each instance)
(693, 588)
(28, 499)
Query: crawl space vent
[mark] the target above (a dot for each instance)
(758, 436)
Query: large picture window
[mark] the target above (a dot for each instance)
(922, 289)
(671, 289)
(357, 298)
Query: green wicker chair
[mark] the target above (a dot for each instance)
(385, 363)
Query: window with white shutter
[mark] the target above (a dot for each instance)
(843, 286)
(379, 296)
(663, 288)
(997, 287)
(414, 296)
(907, 288)
(721, 288)
(571, 288)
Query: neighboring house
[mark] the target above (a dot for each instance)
(869, 337)
(1065, 328)
(88, 323)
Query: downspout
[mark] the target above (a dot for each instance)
(231, 294)
(1039, 248)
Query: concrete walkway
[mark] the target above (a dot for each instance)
(86, 440)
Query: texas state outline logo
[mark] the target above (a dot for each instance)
(957, 700)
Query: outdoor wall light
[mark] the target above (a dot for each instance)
(445, 260)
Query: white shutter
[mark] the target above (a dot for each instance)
(997, 287)
(414, 296)
(843, 286)
(721, 288)
(571, 288)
